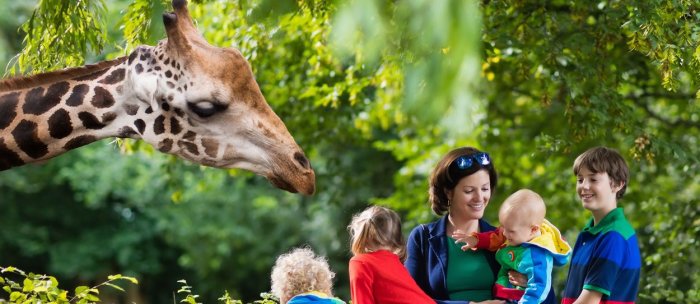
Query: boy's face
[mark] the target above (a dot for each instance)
(516, 229)
(596, 191)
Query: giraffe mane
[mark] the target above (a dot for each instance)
(24, 82)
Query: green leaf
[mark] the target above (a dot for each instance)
(80, 289)
(28, 285)
(114, 286)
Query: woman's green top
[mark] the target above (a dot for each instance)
(469, 276)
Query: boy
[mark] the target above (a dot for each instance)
(526, 243)
(606, 263)
(300, 277)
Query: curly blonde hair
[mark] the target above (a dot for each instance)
(300, 271)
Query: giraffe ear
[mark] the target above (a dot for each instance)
(179, 27)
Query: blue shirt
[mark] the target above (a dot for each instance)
(606, 259)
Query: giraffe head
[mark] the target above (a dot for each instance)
(206, 107)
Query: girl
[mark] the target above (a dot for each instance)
(377, 274)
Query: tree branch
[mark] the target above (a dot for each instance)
(637, 100)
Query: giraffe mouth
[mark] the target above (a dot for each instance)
(282, 184)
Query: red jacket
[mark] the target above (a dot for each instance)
(379, 277)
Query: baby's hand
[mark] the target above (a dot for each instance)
(468, 239)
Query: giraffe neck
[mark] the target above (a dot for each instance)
(45, 115)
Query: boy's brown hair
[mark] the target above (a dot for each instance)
(605, 160)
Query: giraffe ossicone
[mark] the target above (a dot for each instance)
(183, 96)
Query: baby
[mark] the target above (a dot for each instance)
(526, 243)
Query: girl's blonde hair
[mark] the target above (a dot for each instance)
(300, 271)
(377, 228)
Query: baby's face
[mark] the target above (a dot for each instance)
(516, 230)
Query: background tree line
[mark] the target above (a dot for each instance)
(375, 92)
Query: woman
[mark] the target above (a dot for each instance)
(461, 186)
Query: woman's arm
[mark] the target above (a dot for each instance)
(416, 258)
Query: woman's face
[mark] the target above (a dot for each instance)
(471, 196)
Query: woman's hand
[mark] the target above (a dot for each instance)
(517, 278)
(468, 239)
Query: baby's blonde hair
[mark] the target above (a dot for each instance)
(300, 271)
(527, 204)
(377, 228)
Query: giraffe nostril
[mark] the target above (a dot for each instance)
(302, 160)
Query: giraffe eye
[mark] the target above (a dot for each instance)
(205, 109)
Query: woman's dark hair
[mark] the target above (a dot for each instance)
(449, 171)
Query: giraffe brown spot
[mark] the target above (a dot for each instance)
(171, 97)
(157, 68)
(171, 85)
(189, 136)
(165, 146)
(90, 121)
(176, 77)
(92, 76)
(188, 146)
(37, 103)
(179, 112)
(131, 109)
(59, 124)
(79, 142)
(132, 56)
(159, 125)
(108, 117)
(26, 136)
(102, 98)
(149, 110)
(167, 61)
(114, 77)
(168, 74)
(126, 132)
(139, 68)
(211, 146)
(8, 108)
(140, 125)
(8, 158)
(165, 106)
(77, 96)
(175, 127)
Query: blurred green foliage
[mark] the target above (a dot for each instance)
(375, 92)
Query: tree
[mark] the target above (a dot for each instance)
(539, 84)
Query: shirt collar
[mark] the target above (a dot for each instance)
(613, 216)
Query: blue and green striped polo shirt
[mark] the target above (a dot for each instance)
(605, 259)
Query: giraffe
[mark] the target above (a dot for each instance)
(183, 96)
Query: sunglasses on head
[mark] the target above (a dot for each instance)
(466, 162)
